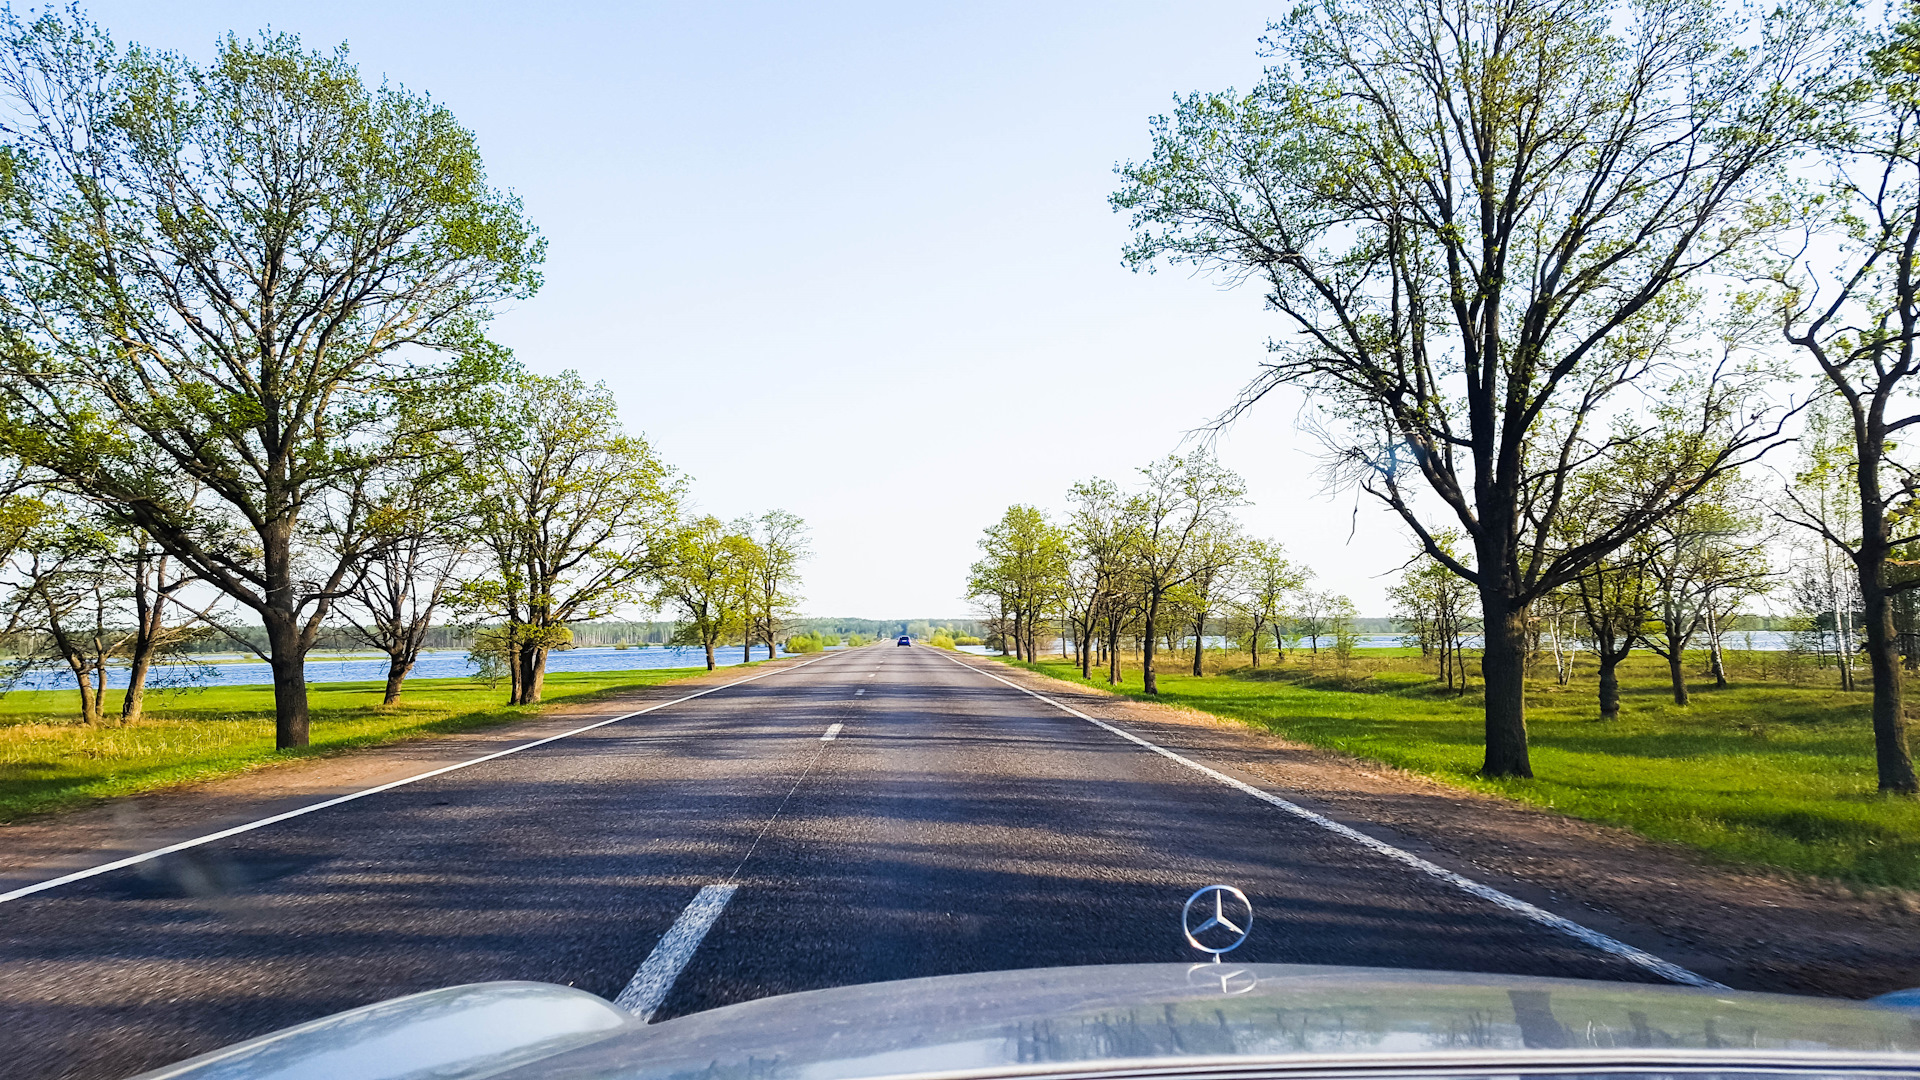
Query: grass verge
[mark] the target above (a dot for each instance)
(48, 763)
(1761, 772)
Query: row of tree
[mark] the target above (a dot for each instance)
(1546, 268)
(243, 356)
(1153, 566)
(534, 513)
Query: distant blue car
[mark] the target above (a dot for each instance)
(904, 640)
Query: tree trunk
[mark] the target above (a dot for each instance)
(1676, 671)
(1199, 644)
(1891, 751)
(1253, 646)
(289, 664)
(537, 677)
(1503, 669)
(135, 702)
(709, 644)
(532, 671)
(1147, 682)
(1113, 655)
(1610, 682)
(398, 664)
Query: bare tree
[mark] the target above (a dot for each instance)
(1863, 329)
(1184, 501)
(1480, 224)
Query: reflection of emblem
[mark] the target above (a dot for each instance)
(1233, 981)
(1224, 915)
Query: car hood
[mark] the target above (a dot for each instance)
(1176, 1019)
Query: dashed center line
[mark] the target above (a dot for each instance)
(832, 730)
(649, 986)
(857, 693)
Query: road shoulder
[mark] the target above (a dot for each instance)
(1749, 928)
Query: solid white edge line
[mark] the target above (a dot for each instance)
(648, 988)
(832, 730)
(1585, 935)
(146, 856)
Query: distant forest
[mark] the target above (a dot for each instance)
(601, 634)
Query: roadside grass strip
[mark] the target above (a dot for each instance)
(1586, 936)
(1770, 771)
(48, 762)
(147, 856)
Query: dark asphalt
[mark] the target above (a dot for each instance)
(955, 825)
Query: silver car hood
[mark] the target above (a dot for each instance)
(1136, 1020)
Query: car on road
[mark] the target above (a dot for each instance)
(904, 640)
(1160, 1021)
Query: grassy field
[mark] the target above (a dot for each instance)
(47, 762)
(1764, 771)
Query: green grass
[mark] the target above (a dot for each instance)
(48, 762)
(1761, 772)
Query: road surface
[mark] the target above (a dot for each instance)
(952, 823)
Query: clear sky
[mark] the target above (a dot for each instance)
(855, 260)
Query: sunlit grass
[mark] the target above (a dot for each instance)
(1762, 772)
(48, 762)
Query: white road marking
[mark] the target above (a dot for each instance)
(648, 989)
(832, 730)
(1584, 935)
(146, 856)
(860, 691)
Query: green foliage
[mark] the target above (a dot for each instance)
(941, 640)
(809, 643)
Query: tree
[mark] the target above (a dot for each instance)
(1480, 224)
(1023, 566)
(1101, 534)
(1616, 602)
(1862, 327)
(227, 277)
(63, 594)
(1184, 502)
(572, 515)
(1212, 582)
(86, 592)
(1694, 556)
(419, 533)
(780, 543)
(1269, 582)
(1432, 602)
(708, 576)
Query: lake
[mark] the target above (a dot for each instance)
(444, 664)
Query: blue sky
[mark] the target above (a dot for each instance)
(855, 260)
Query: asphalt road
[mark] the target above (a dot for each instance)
(954, 824)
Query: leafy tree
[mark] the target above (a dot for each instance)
(1269, 581)
(1023, 568)
(1101, 535)
(1212, 582)
(1861, 325)
(780, 545)
(708, 575)
(1433, 603)
(1703, 552)
(1480, 224)
(1616, 600)
(1183, 503)
(420, 531)
(572, 511)
(227, 277)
